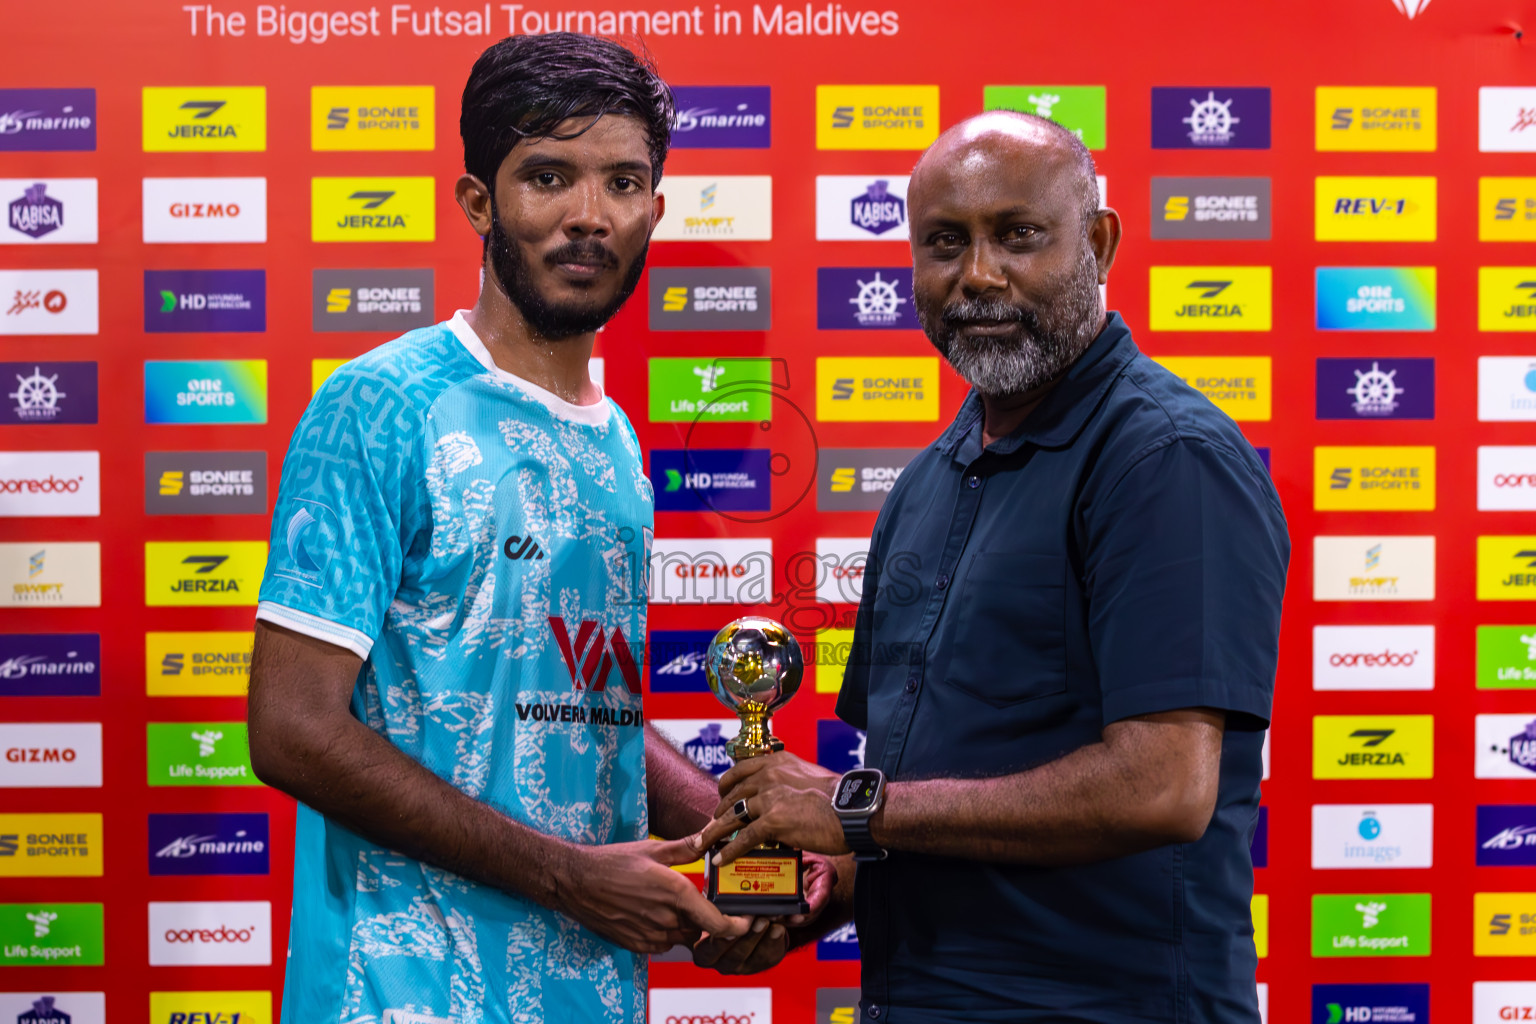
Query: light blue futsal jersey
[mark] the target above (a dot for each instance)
(483, 545)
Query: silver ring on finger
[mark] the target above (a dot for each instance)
(742, 814)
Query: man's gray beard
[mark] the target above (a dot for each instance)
(1053, 338)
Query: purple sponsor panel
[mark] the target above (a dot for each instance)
(50, 665)
(864, 298)
(1263, 455)
(712, 479)
(1209, 117)
(1259, 848)
(839, 746)
(676, 660)
(722, 117)
(1506, 835)
(1373, 388)
(205, 300)
(208, 844)
(35, 120)
(41, 393)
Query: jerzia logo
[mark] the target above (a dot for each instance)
(229, 118)
(593, 653)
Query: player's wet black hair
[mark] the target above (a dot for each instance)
(524, 86)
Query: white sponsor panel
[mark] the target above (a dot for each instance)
(1506, 388)
(1264, 757)
(48, 211)
(1506, 746)
(48, 302)
(1263, 1002)
(50, 483)
(861, 207)
(1373, 568)
(1506, 478)
(1373, 657)
(205, 210)
(218, 933)
(840, 563)
(711, 1006)
(702, 739)
(50, 574)
(716, 207)
(75, 1007)
(712, 570)
(44, 754)
(1506, 119)
(1373, 835)
(595, 367)
(1499, 1002)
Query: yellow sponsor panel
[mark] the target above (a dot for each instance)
(1504, 924)
(1375, 209)
(1362, 119)
(876, 116)
(1506, 209)
(1373, 747)
(372, 209)
(320, 371)
(1506, 568)
(211, 664)
(371, 117)
(1240, 386)
(831, 658)
(1361, 479)
(1211, 299)
(203, 572)
(1260, 906)
(1506, 298)
(210, 1007)
(860, 390)
(211, 119)
(50, 845)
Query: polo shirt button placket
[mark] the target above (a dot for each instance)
(874, 1012)
(973, 481)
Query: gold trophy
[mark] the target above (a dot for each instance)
(754, 666)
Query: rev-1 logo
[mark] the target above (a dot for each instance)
(593, 654)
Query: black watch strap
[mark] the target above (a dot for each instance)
(856, 835)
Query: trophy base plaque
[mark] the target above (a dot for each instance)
(763, 883)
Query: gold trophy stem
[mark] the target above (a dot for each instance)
(753, 740)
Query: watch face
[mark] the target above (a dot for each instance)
(857, 791)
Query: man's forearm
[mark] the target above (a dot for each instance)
(681, 796)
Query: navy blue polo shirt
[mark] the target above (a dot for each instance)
(1123, 552)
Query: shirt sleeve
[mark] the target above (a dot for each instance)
(339, 525)
(1184, 561)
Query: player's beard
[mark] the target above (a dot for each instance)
(549, 320)
(1054, 334)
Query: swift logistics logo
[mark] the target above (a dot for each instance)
(1371, 924)
(1505, 924)
(50, 665)
(1373, 568)
(722, 390)
(198, 754)
(199, 664)
(858, 479)
(1375, 298)
(1240, 386)
(43, 755)
(1211, 299)
(1210, 117)
(1360, 119)
(711, 298)
(394, 300)
(203, 573)
(676, 658)
(734, 207)
(722, 117)
(50, 211)
(50, 846)
(1370, 388)
(208, 844)
(39, 120)
(856, 208)
(38, 934)
(1373, 657)
(1506, 747)
(212, 1008)
(205, 210)
(205, 391)
(1387, 1004)
(1373, 747)
(50, 574)
(205, 483)
(222, 933)
(1211, 208)
(876, 116)
(375, 118)
(1078, 108)
(42, 393)
(205, 301)
(714, 479)
(1506, 835)
(50, 483)
(1361, 209)
(1506, 119)
(48, 302)
(1357, 479)
(224, 119)
(1506, 657)
(1506, 298)
(1506, 568)
(1506, 209)
(372, 209)
(877, 389)
(864, 298)
(1373, 835)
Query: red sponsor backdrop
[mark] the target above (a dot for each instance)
(1454, 45)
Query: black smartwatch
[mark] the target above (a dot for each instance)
(858, 796)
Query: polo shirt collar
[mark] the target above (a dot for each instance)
(1064, 411)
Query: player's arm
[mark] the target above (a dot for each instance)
(680, 796)
(305, 742)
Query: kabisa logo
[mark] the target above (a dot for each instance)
(49, 393)
(1078, 108)
(1211, 299)
(1376, 1004)
(1211, 208)
(707, 750)
(877, 210)
(205, 391)
(1506, 298)
(1506, 746)
(373, 118)
(50, 664)
(203, 301)
(214, 119)
(711, 298)
(205, 210)
(372, 209)
(1355, 119)
(721, 117)
(712, 479)
(855, 207)
(222, 933)
(35, 120)
(1357, 209)
(593, 653)
(864, 298)
(738, 207)
(199, 754)
(50, 846)
(56, 211)
(1506, 835)
(208, 844)
(36, 213)
(1367, 388)
(1373, 747)
(877, 389)
(1375, 298)
(1210, 117)
(63, 1008)
(876, 116)
(203, 573)
(371, 300)
(1506, 119)
(1506, 209)
(676, 659)
(1347, 479)
(1239, 386)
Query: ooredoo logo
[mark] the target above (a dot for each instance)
(1373, 657)
(711, 1006)
(220, 933)
(50, 483)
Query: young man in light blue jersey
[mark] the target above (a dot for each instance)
(449, 632)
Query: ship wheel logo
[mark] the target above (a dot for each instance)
(37, 397)
(877, 302)
(1375, 391)
(1211, 120)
